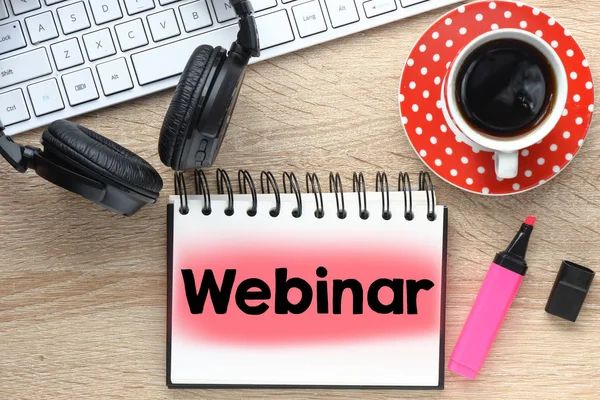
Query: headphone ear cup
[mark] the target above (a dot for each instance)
(101, 155)
(178, 118)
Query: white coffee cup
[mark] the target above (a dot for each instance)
(506, 149)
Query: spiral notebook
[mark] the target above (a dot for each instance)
(327, 285)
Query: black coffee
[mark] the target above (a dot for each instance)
(505, 88)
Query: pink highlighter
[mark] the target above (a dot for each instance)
(495, 297)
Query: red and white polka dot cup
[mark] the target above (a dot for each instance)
(458, 160)
(506, 149)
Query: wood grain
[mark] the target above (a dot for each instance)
(83, 292)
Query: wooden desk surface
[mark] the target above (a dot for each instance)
(83, 292)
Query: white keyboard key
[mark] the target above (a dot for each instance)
(13, 108)
(309, 18)
(114, 76)
(45, 97)
(99, 44)
(138, 6)
(23, 6)
(80, 87)
(165, 2)
(105, 10)
(274, 29)
(50, 2)
(373, 8)
(41, 27)
(195, 15)
(342, 12)
(73, 18)
(163, 25)
(67, 54)
(23, 67)
(131, 35)
(11, 37)
(260, 5)
(408, 3)
(287, 1)
(224, 10)
(3, 10)
(149, 70)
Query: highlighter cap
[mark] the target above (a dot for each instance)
(569, 291)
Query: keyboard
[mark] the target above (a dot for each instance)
(61, 58)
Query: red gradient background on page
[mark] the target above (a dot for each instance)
(260, 261)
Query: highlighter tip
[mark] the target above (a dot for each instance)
(530, 221)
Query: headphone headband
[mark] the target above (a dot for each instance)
(242, 7)
(247, 37)
(12, 152)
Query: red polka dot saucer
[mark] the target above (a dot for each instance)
(451, 157)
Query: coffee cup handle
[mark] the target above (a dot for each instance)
(507, 164)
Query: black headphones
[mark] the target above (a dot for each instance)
(199, 114)
(88, 164)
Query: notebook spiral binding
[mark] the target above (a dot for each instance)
(268, 184)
